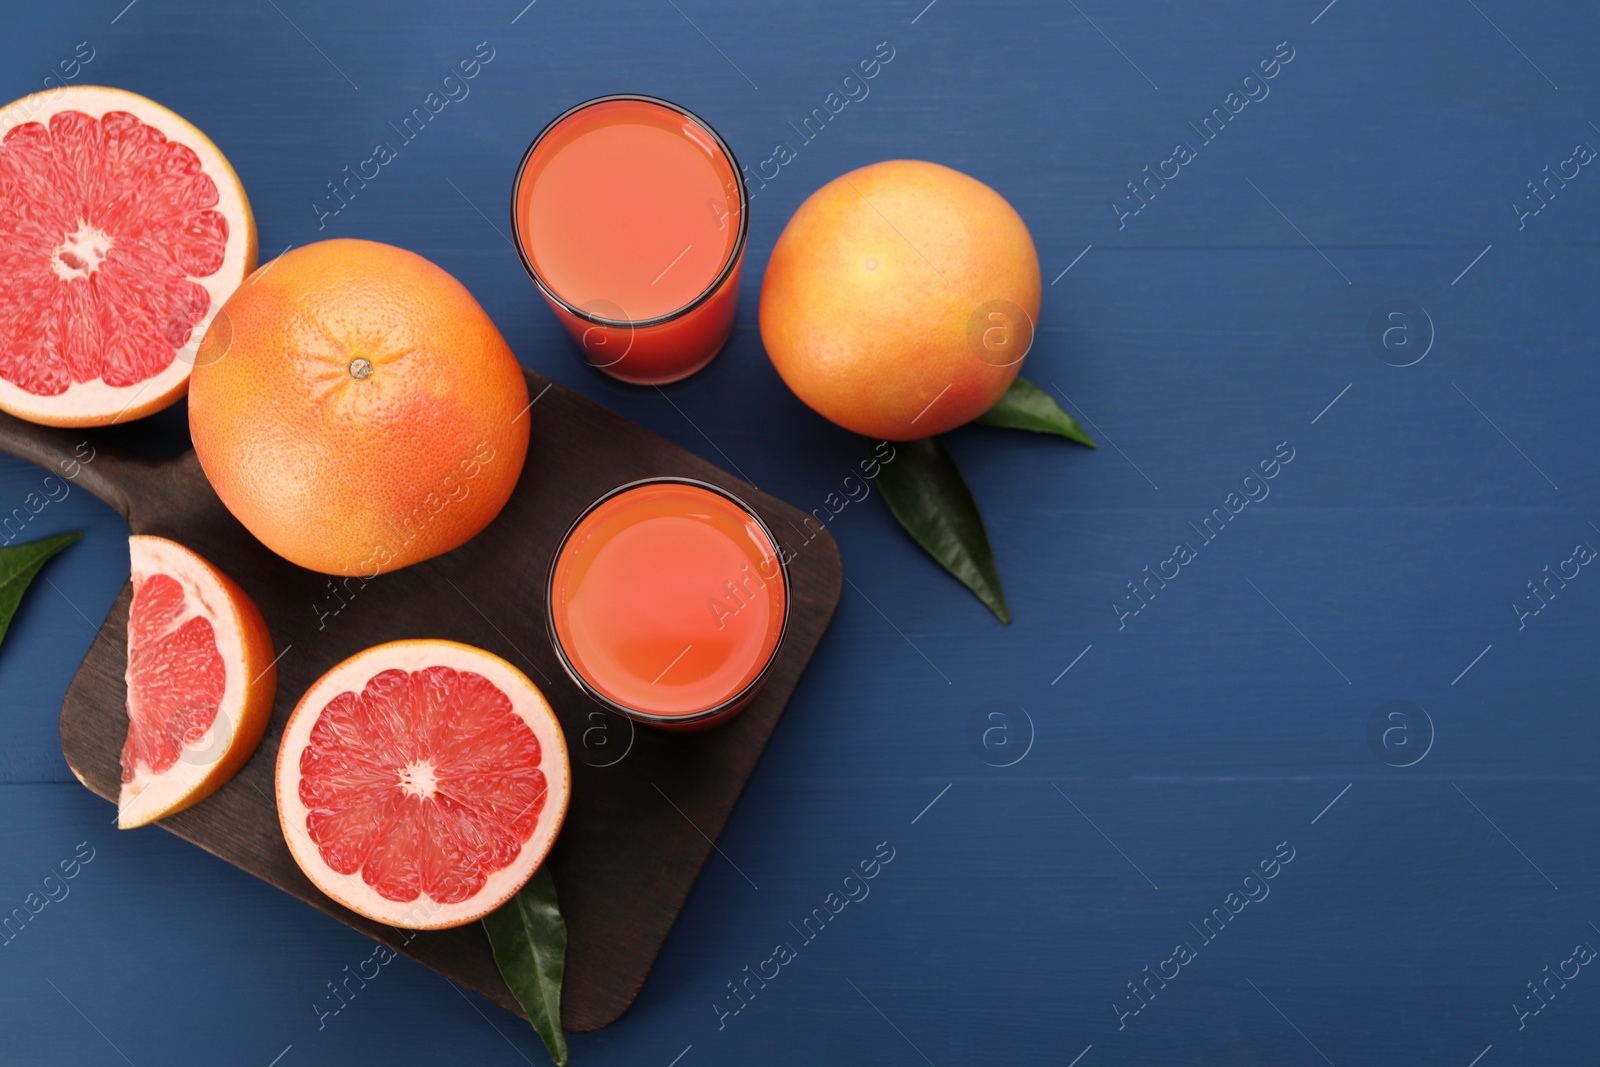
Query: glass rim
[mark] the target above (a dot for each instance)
(734, 255)
(651, 718)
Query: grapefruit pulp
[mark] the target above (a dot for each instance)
(421, 783)
(122, 231)
(201, 678)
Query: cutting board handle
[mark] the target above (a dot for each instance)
(75, 456)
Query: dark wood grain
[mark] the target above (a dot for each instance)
(639, 828)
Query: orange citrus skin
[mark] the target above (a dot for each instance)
(356, 409)
(261, 667)
(879, 300)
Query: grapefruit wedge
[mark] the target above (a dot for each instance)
(421, 783)
(201, 678)
(122, 231)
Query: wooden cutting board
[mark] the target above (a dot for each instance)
(646, 805)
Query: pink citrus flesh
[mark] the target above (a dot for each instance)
(421, 783)
(122, 231)
(177, 675)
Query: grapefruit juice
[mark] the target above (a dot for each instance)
(630, 216)
(668, 600)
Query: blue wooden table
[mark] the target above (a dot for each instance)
(1320, 788)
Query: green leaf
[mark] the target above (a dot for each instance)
(1027, 407)
(529, 939)
(931, 500)
(18, 566)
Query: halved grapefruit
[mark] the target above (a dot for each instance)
(122, 231)
(201, 678)
(421, 783)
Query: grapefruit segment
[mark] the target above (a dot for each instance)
(122, 231)
(421, 783)
(201, 677)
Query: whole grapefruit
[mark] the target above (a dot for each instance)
(900, 300)
(355, 408)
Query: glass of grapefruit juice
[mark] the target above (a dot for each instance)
(630, 214)
(667, 602)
